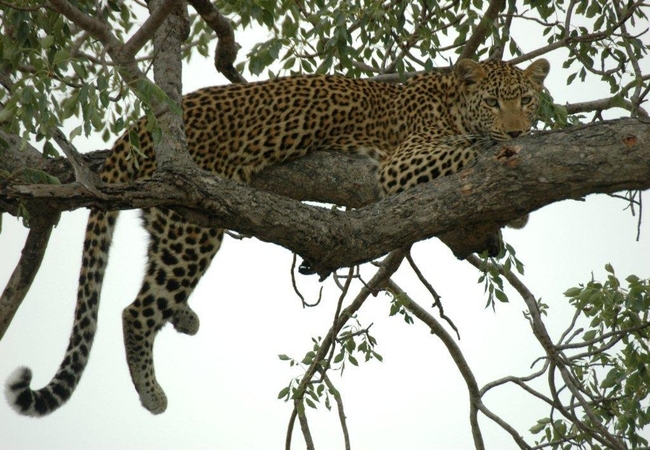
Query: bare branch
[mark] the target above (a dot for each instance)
(30, 261)
(148, 29)
(603, 104)
(387, 268)
(339, 405)
(227, 48)
(339, 305)
(484, 26)
(454, 351)
(304, 425)
(292, 421)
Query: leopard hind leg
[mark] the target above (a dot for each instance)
(179, 253)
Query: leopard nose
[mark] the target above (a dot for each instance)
(513, 134)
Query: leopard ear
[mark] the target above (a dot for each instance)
(537, 72)
(470, 72)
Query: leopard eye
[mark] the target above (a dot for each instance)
(491, 102)
(526, 100)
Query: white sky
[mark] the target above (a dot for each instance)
(222, 384)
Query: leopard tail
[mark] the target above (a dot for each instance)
(21, 397)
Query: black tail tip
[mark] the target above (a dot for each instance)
(18, 392)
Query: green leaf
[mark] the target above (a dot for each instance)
(309, 357)
(501, 296)
(284, 392)
(49, 151)
(612, 379)
(39, 177)
(46, 42)
(572, 292)
(570, 78)
(539, 426)
(590, 335)
(284, 357)
(76, 132)
(61, 56)
(6, 114)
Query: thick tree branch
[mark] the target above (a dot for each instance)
(168, 38)
(508, 181)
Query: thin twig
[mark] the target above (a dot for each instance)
(292, 421)
(148, 29)
(455, 353)
(557, 361)
(339, 304)
(295, 286)
(299, 406)
(388, 267)
(437, 300)
(339, 405)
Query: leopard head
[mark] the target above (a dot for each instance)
(501, 100)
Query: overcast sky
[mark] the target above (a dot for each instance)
(222, 384)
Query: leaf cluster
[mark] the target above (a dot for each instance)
(354, 342)
(494, 270)
(612, 363)
(53, 72)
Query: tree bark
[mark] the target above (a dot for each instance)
(507, 181)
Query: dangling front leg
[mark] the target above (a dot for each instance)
(179, 254)
(422, 158)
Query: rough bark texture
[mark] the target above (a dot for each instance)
(506, 182)
(171, 151)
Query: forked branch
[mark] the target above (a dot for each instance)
(387, 268)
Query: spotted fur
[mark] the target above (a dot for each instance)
(431, 126)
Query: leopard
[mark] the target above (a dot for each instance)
(430, 126)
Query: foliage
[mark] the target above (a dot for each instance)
(611, 364)
(492, 270)
(352, 339)
(62, 74)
